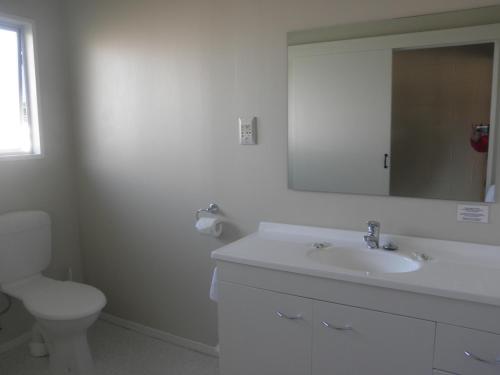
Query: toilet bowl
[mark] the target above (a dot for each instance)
(64, 310)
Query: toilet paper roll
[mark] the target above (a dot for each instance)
(211, 226)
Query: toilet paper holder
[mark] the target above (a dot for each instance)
(212, 209)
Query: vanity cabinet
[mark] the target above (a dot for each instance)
(349, 340)
(283, 311)
(267, 333)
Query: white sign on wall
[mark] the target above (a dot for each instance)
(473, 213)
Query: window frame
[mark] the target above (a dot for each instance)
(28, 84)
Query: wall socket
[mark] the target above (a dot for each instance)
(248, 130)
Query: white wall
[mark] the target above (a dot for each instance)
(47, 183)
(159, 87)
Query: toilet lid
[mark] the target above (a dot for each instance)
(61, 300)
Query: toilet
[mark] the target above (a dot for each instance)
(63, 310)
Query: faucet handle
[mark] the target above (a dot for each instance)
(373, 223)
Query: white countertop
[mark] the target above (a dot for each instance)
(457, 270)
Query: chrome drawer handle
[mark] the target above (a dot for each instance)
(482, 360)
(347, 327)
(289, 317)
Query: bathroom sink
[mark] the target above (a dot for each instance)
(364, 260)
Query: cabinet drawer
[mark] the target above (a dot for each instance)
(453, 342)
(349, 340)
(263, 333)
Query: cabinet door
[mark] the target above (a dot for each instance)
(467, 351)
(352, 341)
(263, 333)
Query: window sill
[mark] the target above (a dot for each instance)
(12, 157)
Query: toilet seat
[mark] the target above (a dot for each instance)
(57, 300)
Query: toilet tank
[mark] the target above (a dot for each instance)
(25, 245)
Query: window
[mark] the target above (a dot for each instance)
(19, 135)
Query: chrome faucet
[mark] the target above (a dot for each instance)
(373, 237)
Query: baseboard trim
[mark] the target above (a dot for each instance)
(161, 335)
(13, 344)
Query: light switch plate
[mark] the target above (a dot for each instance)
(248, 130)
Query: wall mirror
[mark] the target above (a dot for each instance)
(403, 107)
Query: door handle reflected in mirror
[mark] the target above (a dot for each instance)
(386, 159)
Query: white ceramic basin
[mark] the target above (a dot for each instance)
(364, 260)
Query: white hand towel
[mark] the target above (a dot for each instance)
(214, 287)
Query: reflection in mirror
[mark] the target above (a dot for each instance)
(440, 97)
(340, 122)
(408, 114)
